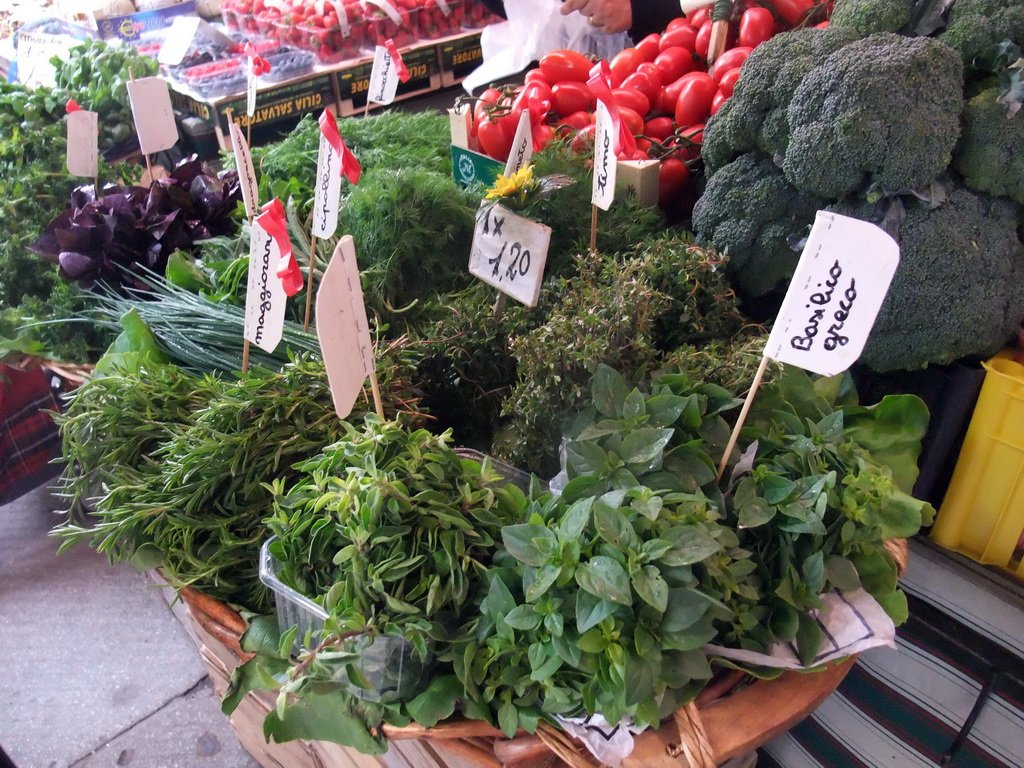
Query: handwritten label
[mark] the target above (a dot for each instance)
(246, 171)
(605, 162)
(265, 297)
(35, 49)
(327, 193)
(509, 252)
(153, 114)
(838, 287)
(179, 40)
(251, 83)
(522, 145)
(342, 327)
(383, 78)
(82, 153)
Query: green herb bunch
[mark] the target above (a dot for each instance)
(196, 507)
(819, 490)
(390, 529)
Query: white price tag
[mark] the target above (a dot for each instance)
(509, 252)
(178, 40)
(343, 23)
(83, 154)
(839, 285)
(383, 78)
(250, 90)
(265, 297)
(605, 162)
(35, 49)
(246, 171)
(522, 146)
(342, 327)
(327, 193)
(153, 114)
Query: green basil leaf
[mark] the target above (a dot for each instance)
(813, 571)
(650, 585)
(592, 641)
(546, 576)
(613, 527)
(437, 702)
(689, 546)
(591, 610)
(841, 573)
(642, 448)
(754, 511)
(523, 617)
(575, 520)
(605, 578)
(684, 608)
(610, 391)
(582, 487)
(586, 457)
(808, 639)
(633, 407)
(663, 410)
(508, 719)
(519, 540)
(324, 717)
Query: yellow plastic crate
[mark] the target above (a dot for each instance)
(982, 514)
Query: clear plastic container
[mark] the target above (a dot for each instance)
(440, 18)
(381, 27)
(389, 666)
(330, 45)
(478, 16)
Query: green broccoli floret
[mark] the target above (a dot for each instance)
(867, 17)
(956, 292)
(755, 116)
(750, 213)
(973, 26)
(883, 110)
(990, 154)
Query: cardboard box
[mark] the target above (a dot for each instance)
(354, 81)
(278, 108)
(459, 57)
(471, 168)
(134, 26)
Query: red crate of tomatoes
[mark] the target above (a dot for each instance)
(396, 20)
(440, 18)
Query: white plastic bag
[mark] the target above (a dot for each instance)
(535, 27)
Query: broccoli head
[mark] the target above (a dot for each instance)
(883, 110)
(974, 26)
(754, 117)
(956, 292)
(990, 154)
(752, 215)
(867, 17)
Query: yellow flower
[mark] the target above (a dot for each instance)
(505, 186)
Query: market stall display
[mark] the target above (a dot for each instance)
(625, 587)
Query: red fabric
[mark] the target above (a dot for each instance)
(28, 435)
(349, 166)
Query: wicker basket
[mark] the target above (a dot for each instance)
(730, 717)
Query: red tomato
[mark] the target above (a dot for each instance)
(651, 70)
(643, 145)
(632, 98)
(542, 135)
(496, 137)
(487, 98)
(718, 101)
(624, 64)
(583, 142)
(669, 95)
(659, 128)
(643, 82)
(673, 176)
(701, 15)
(570, 97)
(756, 25)
(673, 63)
(535, 76)
(694, 133)
(703, 41)
(576, 121)
(559, 66)
(728, 81)
(731, 59)
(523, 97)
(678, 21)
(633, 120)
(683, 36)
(694, 104)
(649, 46)
(791, 11)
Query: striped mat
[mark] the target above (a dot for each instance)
(951, 693)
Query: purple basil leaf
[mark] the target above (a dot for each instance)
(46, 244)
(76, 265)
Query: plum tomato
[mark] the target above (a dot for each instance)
(695, 96)
(570, 97)
(632, 98)
(703, 41)
(731, 59)
(792, 11)
(669, 95)
(683, 36)
(659, 128)
(678, 21)
(643, 82)
(624, 64)
(573, 122)
(718, 101)
(560, 66)
(756, 25)
(649, 46)
(701, 15)
(673, 63)
(583, 142)
(673, 176)
(728, 81)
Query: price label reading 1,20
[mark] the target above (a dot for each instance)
(509, 252)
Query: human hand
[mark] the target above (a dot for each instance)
(608, 16)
